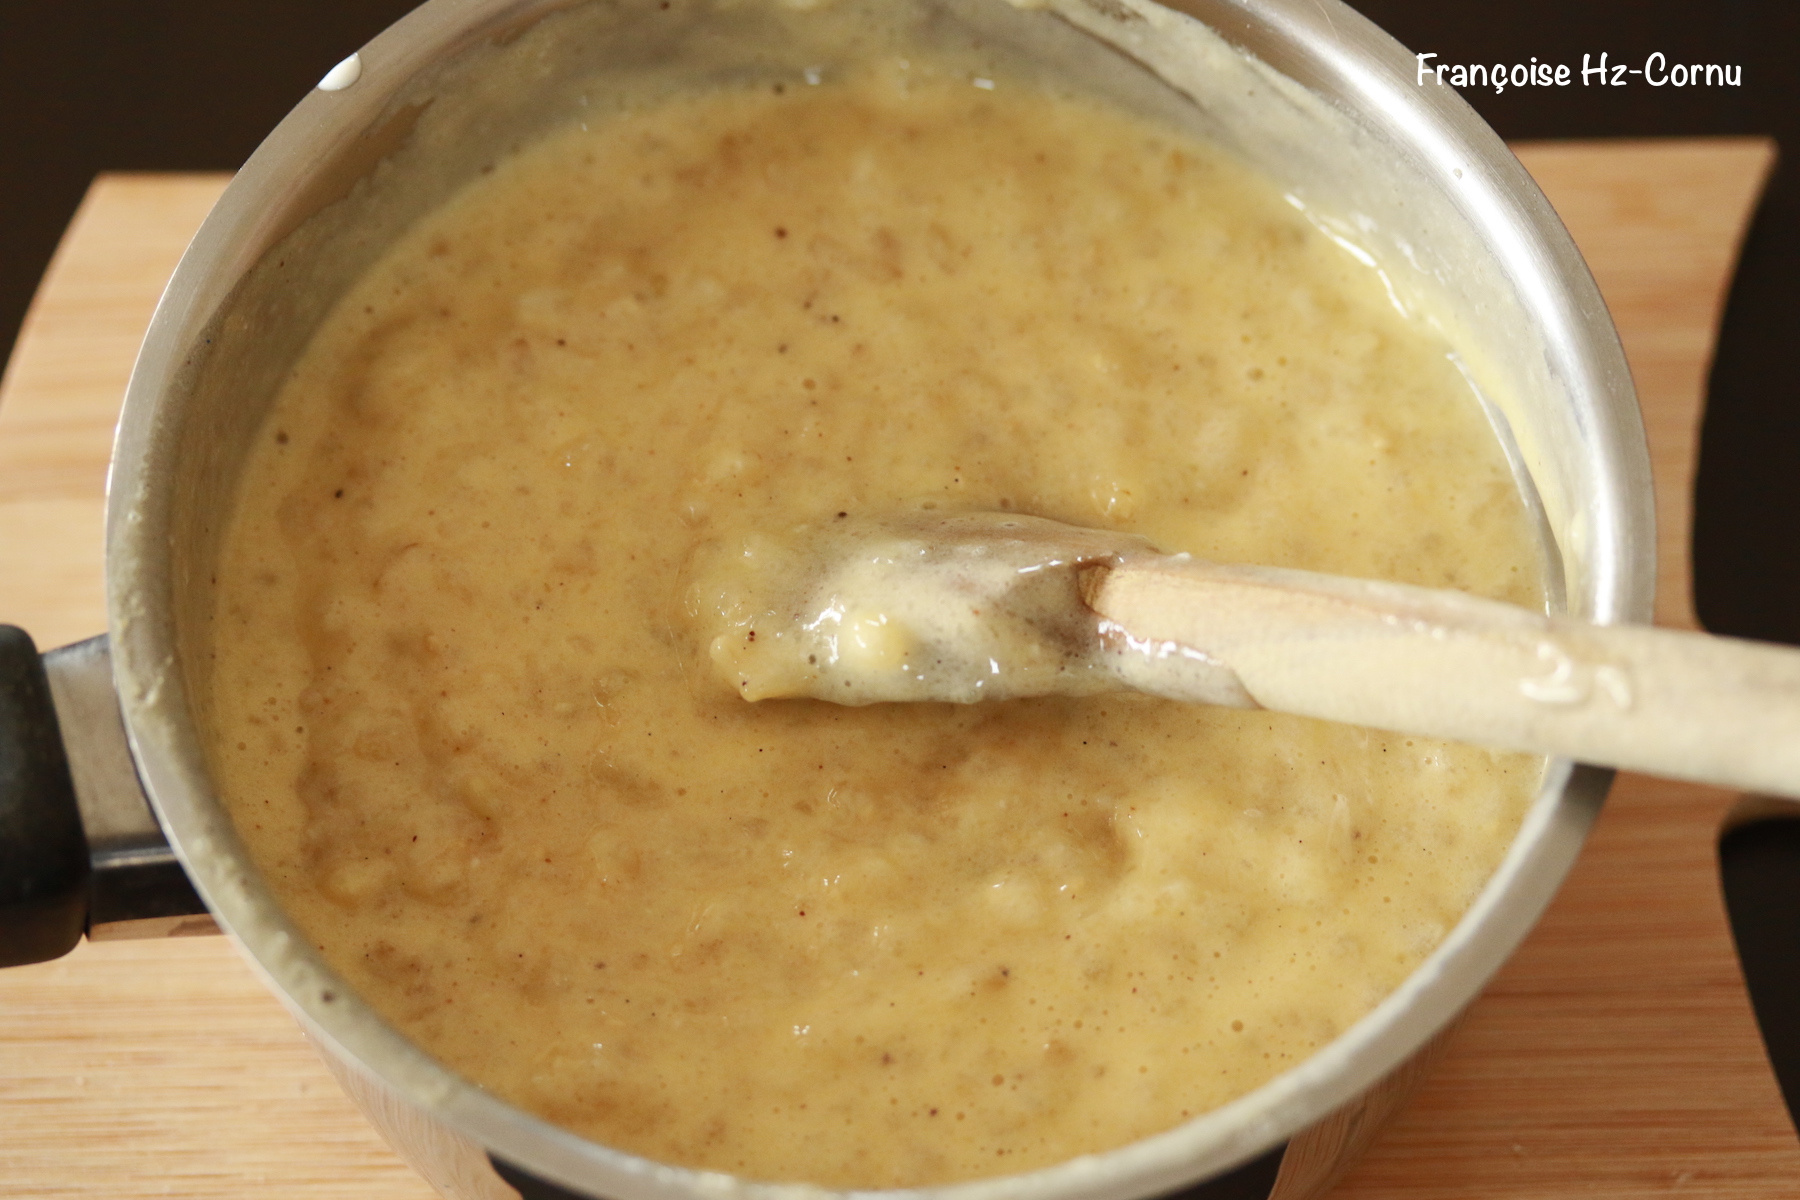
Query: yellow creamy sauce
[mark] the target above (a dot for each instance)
(461, 701)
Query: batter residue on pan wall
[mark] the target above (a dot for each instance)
(463, 709)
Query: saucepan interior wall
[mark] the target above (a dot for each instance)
(1410, 177)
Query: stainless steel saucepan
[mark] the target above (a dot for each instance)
(1305, 89)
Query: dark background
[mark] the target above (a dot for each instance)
(91, 85)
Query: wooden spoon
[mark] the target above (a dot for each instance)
(991, 606)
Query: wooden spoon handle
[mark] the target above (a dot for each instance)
(1446, 664)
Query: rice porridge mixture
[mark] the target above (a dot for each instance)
(462, 710)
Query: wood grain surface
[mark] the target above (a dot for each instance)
(1614, 1056)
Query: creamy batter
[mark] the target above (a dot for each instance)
(465, 715)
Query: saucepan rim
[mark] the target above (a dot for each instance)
(1329, 48)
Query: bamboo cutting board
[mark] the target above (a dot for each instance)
(1615, 1056)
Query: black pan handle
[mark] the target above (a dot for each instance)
(80, 849)
(43, 852)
